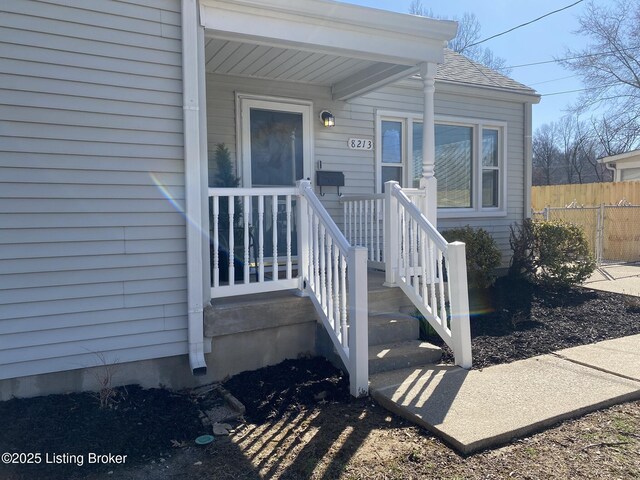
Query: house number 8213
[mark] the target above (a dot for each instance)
(360, 144)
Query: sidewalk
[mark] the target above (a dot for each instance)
(477, 409)
(623, 279)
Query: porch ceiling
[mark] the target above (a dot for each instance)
(293, 65)
(349, 48)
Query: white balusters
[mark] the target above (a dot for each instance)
(216, 242)
(288, 213)
(232, 243)
(241, 225)
(274, 228)
(261, 238)
(416, 259)
(245, 215)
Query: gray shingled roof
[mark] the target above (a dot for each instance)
(459, 69)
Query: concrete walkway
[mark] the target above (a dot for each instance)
(623, 278)
(478, 409)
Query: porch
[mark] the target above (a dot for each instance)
(363, 312)
(268, 81)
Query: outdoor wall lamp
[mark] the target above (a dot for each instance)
(327, 118)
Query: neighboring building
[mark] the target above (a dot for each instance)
(625, 166)
(110, 115)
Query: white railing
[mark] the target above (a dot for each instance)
(268, 239)
(417, 260)
(334, 274)
(364, 224)
(252, 234)
(363, 221)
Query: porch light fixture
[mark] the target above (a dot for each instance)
(327, 118)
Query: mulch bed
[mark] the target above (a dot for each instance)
(140, 424)
(525, 320)
(290, 386)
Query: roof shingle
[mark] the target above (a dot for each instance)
(460, 69)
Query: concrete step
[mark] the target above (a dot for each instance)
(246, 313)
(395, 356)
(387, 300)
(392, 328)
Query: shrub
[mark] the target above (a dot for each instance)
(550, 252)
(483, 256)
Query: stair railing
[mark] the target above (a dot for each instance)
(430, 271)
(334, 274)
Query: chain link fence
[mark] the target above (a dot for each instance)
(612, 231)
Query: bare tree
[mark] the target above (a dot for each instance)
(469, 31)
(572, 138)
(610, 69)
(546, 155)
(615, 134)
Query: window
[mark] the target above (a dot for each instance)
(392, 147)
(469, 164)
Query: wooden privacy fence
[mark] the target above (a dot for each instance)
(587, 194)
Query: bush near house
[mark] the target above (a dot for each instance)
(552, 253)
(483, 255)
(225, 178)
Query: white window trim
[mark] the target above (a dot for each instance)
(244, 101)
(478, 125)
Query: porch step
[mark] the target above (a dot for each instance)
(395, 356)
(392, 328)
(385, 299)
(232, 315)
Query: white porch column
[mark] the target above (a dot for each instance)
(428, 180)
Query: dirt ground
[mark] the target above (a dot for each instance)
(297, 429)
(301, 422)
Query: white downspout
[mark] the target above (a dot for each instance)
(613, 169)
(192, 178)
(528, 159)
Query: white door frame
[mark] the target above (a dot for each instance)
(244, 103)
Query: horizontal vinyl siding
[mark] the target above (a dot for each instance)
(92, 238)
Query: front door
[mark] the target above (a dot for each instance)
(276, 142)
(276, 152)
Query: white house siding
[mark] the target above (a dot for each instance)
(357, 119)
(92, 253)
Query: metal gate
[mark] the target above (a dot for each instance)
(612, 231)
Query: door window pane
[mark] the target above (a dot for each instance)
(391, 142)
(276, 148)
(453, 166)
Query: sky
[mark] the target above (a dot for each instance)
(544, 40)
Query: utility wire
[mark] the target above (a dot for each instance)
(577, 57)
(578, 90)
(525, 24)
(550, 81)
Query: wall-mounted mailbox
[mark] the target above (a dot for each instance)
(329, 179)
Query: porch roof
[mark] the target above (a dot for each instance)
(350, 48)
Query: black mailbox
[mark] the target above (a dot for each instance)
(329, 179)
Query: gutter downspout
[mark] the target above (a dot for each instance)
(193, 207)
(528, 159)
(613, 170)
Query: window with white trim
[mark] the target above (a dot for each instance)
(469, 165)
